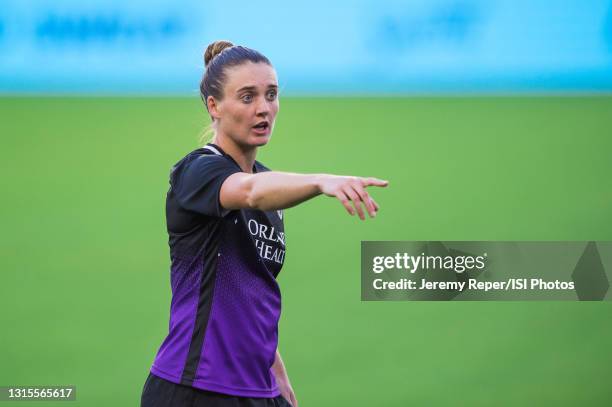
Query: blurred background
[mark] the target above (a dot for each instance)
(492, 120)
(347, 47)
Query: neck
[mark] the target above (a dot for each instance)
(245, 157)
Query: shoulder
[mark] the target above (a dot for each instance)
(201, 158)
(196, 156)
(260, 167)
(198, 163)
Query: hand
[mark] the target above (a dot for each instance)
(287, 391)
(352, 189)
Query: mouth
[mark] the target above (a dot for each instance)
(262, 127)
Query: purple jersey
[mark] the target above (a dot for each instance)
(226, 303)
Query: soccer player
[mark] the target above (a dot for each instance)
(224, 214)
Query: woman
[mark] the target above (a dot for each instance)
(227, 246)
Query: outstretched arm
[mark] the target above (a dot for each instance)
(279, 190)
(282, 380)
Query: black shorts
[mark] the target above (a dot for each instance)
(158, 392)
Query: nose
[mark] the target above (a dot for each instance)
(262, 107)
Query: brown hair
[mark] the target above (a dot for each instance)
(218, 56)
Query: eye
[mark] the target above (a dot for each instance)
(271, 95)
(248, 98)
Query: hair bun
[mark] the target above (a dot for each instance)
(214, 49)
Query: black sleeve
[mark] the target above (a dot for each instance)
(197, 185)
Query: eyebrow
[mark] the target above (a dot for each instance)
(252, 88)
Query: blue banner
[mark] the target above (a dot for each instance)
(318, 47)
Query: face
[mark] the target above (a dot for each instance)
(249, 106)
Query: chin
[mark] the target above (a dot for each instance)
(259, 140)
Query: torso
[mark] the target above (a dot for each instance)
(226, 302)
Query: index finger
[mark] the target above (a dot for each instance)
(375, 182)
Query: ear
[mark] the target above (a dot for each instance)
(211, 103)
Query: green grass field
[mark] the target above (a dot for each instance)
(85, 289)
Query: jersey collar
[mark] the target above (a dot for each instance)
(215, 149)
